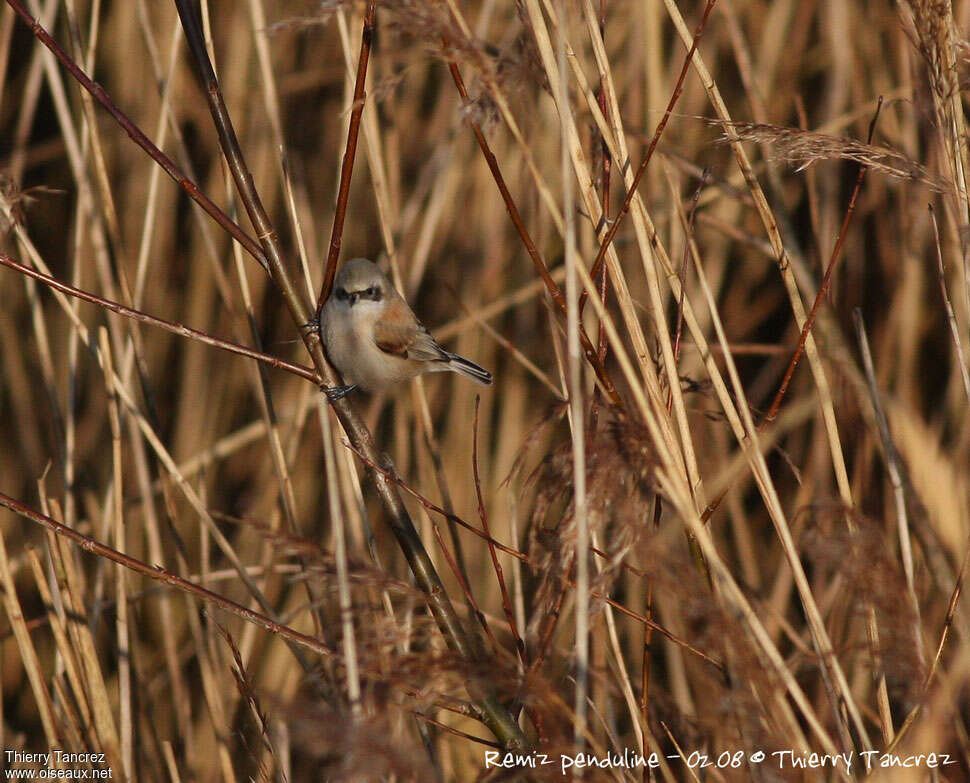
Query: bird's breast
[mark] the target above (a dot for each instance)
(349, 339)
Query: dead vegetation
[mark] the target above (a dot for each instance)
(704, 510)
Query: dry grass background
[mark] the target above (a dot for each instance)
(818, 607)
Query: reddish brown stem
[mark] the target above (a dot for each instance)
(614, 226)
(472, 603)
(826, 281)
(170, 326)
(350, 153)
(810, 320)
(540, 265)
(434, 507)
(483, 516)
(167, 164)
(160, 574)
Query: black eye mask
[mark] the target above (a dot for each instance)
(373, 293)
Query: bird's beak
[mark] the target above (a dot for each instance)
(353, 299)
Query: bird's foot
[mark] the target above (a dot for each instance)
(312, 326)
(335, 393)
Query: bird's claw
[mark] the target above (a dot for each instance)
(335, 393)
(311, 327)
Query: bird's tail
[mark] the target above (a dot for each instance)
(462, 366)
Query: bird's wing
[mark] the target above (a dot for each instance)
(399, 333)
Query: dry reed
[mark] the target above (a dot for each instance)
(728, 434)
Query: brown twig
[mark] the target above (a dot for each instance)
(537, 261)
(631, 193)
(824, 287)
(473, 607)
(133, 131)
(810, 320)
(606, 161)
(497, 717)
(483, 516)
(430, 506)
(169, 326)
(525, 559)
(350, 153)
(163, 575)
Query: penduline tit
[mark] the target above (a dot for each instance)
(374, 340)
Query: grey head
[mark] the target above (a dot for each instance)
(360, 280)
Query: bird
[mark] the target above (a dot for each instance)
(375, 340)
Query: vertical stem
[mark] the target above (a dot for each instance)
(495, 715)
(347, 167)
(607, 161)
(661, 126)
(574, 364)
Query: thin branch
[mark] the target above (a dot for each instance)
(169, 326)
(167, 164)
(592, 356)
(163, 575)
(497, 717)
(810, 320)
(631, 193)
(473, 606)
(430, 506)
(826, 281)
(483, 516)
(347, 167)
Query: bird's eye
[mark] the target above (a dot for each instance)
(376, 293)
(341, 294)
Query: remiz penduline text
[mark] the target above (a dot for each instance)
(781, 759)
